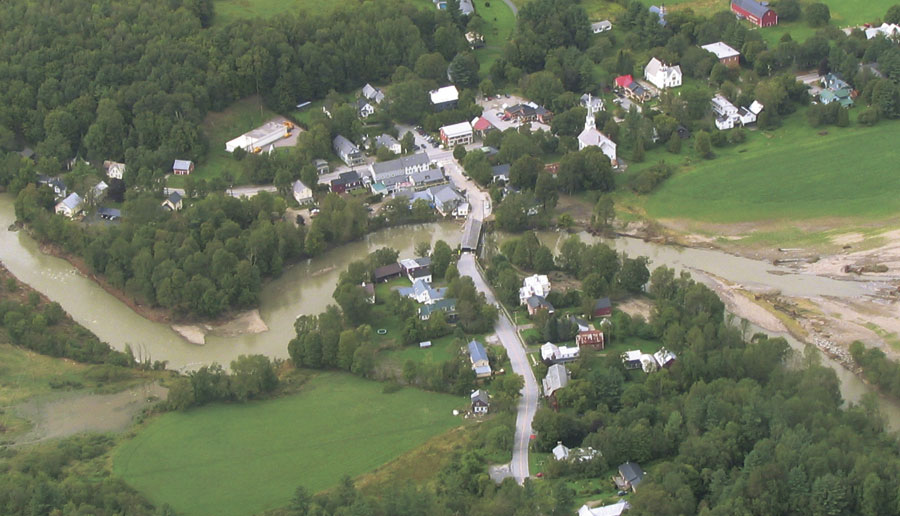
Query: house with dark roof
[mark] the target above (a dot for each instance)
(758, 13)
(173, 202)
(602, 308)
(446, 305)
(481, 402)
(426, 178)
(529, 112)
(346, 182)
(535, 304)
(479, 358)
(387, 272)
(630, 476)
(417, 268)
(500, 173)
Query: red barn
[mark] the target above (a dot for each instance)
(756, 12)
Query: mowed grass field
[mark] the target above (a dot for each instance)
(239, 460)
(500, 25)
(793, 172)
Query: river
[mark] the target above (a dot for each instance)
(306, 287)
(303, 288)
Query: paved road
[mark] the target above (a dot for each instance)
(506, 332)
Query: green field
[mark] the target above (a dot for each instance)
(501, 22)
(239, 460)
(791, 173)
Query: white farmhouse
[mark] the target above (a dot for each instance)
(662, 75)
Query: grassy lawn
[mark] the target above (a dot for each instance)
(500, 25)
(220, 127)
(790, 173)
(244, 459)
(441, 350)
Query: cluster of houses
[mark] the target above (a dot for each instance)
(418, 272)
(71, 204)
(649, 363)
(369, 98)
(728, 116)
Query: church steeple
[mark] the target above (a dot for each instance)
(589, 121)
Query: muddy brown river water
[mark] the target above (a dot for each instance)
(306, 287)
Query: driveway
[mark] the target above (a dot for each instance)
(506, 332)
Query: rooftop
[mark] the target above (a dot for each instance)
(721, 50)
(460, 129)
(445, 94)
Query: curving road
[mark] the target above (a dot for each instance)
(506, 332)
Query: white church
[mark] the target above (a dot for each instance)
(592, 137)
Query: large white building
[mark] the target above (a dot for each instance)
(537, 285)
(592, 137)
(662, 75)
(457, 134)
(444, 98)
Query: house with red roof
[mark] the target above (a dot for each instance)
(758, 13)
(482, 126)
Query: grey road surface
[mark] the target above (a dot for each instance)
(506, 332)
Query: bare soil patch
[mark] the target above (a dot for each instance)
(77, 412)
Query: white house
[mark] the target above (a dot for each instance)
(302, 193)
(726, 112)
(537, 285)
(592, 137)
(616, 509)
(591, 103)
(70, 206)
(552, 353)
(662, 75)
(364, 109)
(601, 26)
(114, 170)
(888, 30)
